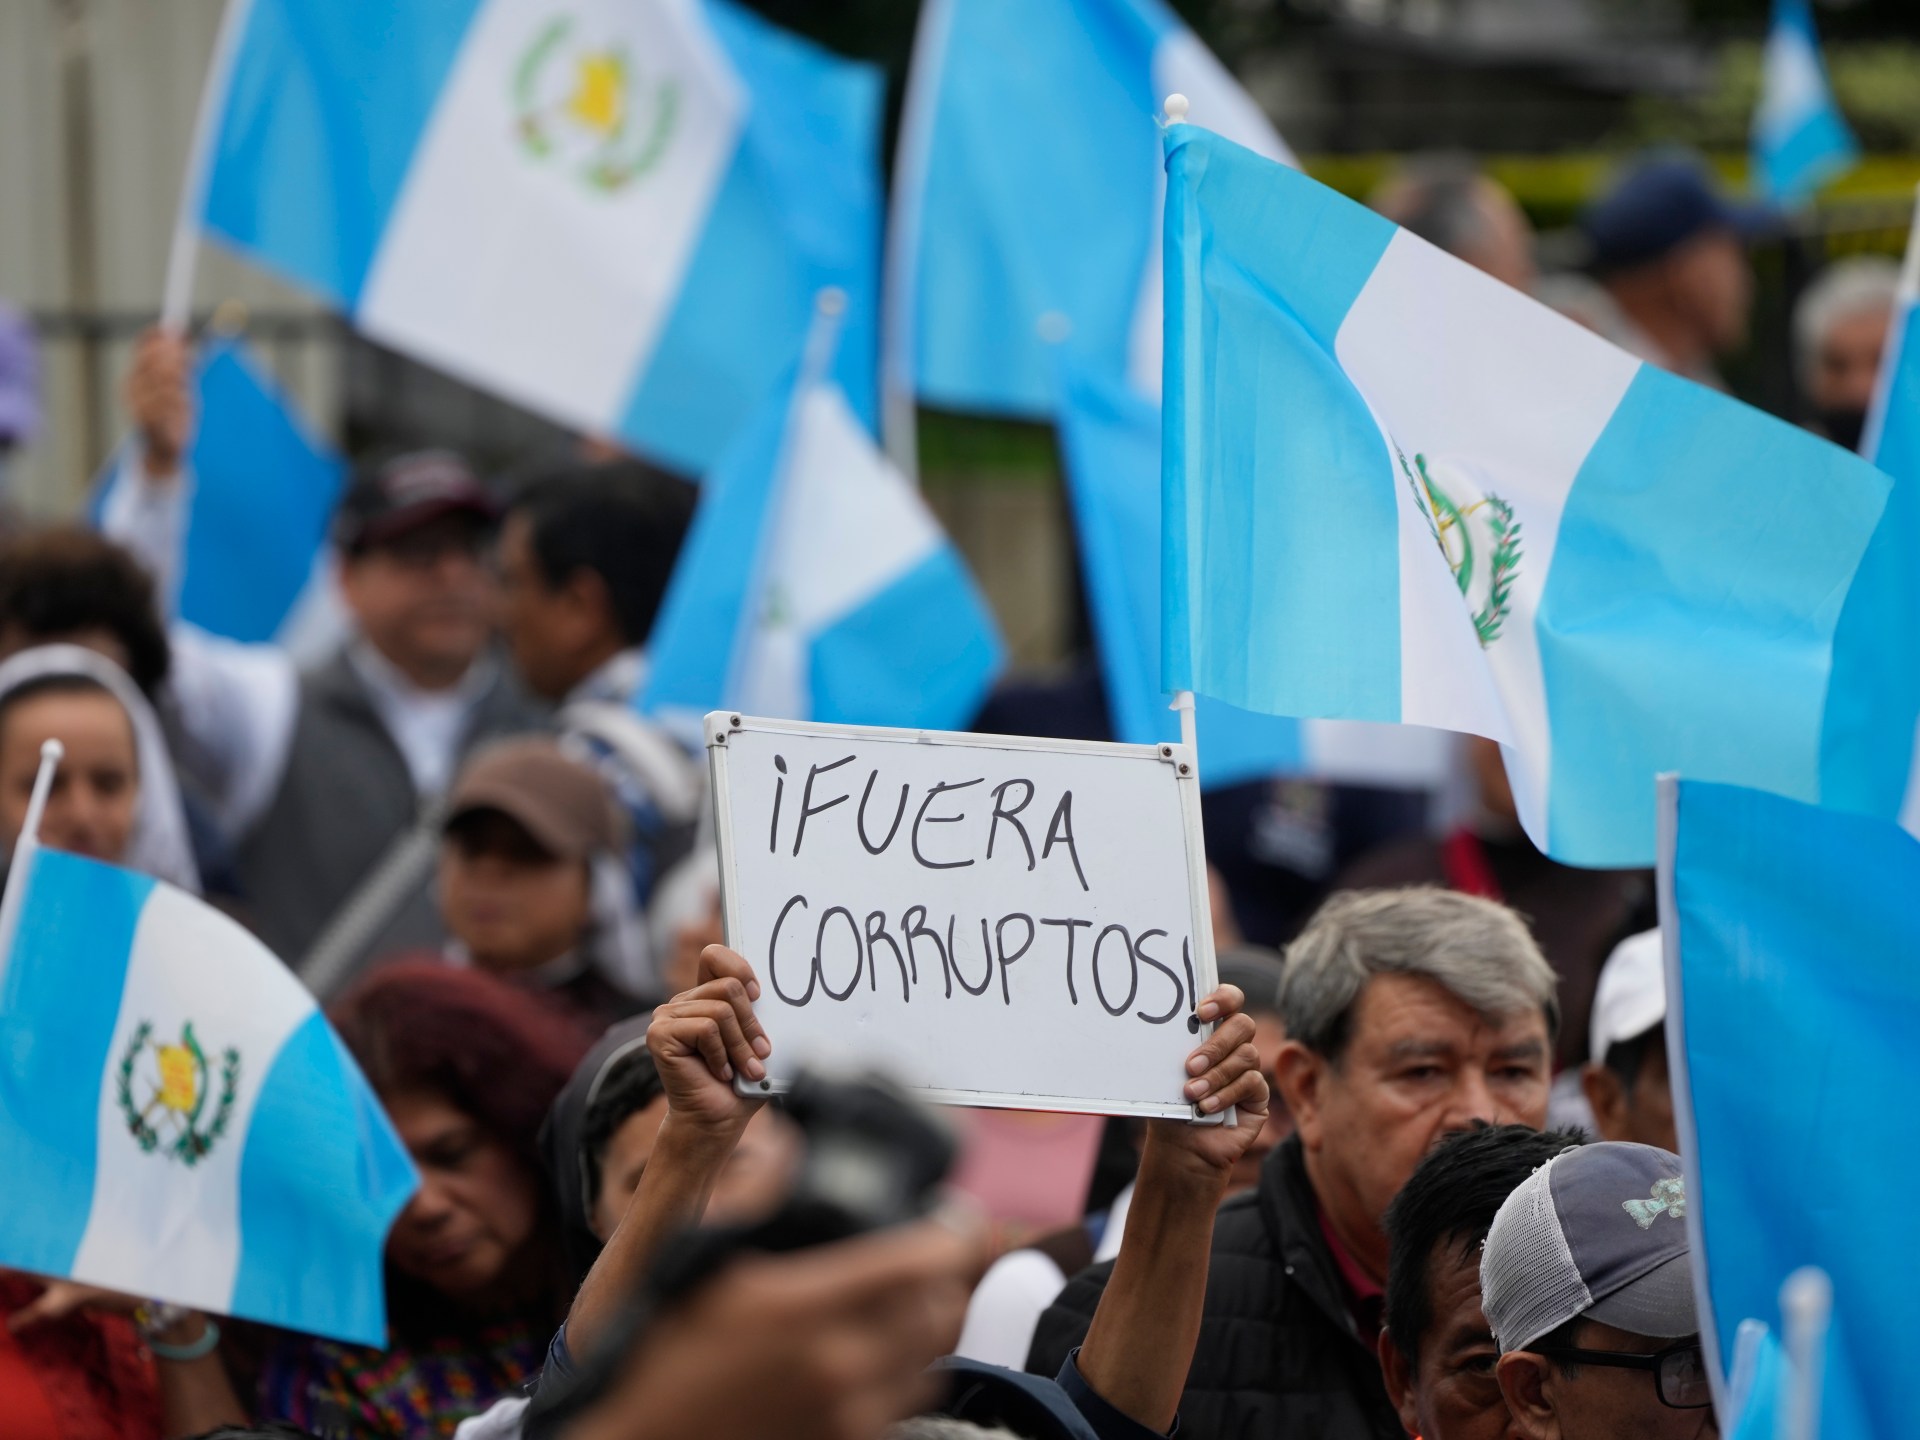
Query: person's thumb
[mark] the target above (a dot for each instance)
(49, 1305)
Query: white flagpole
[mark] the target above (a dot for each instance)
(1806, 1310)
(1176, 112)
(1183, 703)
(176, 298)
(816, 359)
(899, 419)
(51, 754)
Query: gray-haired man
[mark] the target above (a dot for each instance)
(1411, 1015)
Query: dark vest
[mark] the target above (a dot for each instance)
(345, 796)
(1279, 1357)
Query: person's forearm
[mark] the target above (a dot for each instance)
(1140, 1346)
(146, 513)
(672, 1196)
(195, 1395)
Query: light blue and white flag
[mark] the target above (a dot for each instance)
(613, 212)
(177, 1119)
(1800, 138)
(1792, 1002)
(1110, 439)
(1891, 441)
(1400, 490)
(254, 563)
(1028, 193)
(815, 584)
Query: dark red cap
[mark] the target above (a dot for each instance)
(387, 500)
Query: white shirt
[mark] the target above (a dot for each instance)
(502, 1422)
(1007, 1303)
(427, 725)
(232, 706)
(617, 681)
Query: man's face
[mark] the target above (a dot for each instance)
(1644, 1113)
(1453, 1392)
(425, 600)
(1848, 362)
(514, 906)
(1553, 1401)
(553, 633)
(1420, 1064)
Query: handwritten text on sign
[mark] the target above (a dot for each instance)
(984, 917)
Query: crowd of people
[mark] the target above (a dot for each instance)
(1450, 1206)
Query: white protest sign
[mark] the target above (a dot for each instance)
(994, 920)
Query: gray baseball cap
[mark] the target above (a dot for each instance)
(1599, 1231)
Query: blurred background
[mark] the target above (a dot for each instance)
(97, 103)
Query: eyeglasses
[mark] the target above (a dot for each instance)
(1679, 1371)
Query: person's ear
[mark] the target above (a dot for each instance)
(1398, 1373)
(588, 600)
(1523, 1385)
(348, 571)
(1301, 1077)
(1607, 1098)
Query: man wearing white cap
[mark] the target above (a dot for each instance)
(1587, 1282)
(1626, 1079)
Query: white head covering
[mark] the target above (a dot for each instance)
(159, 845)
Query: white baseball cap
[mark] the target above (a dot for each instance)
(1631, 997)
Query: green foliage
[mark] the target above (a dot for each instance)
(1877, 85)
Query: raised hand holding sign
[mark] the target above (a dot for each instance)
(1005, 922)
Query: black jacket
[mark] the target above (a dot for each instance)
(1279, 1357)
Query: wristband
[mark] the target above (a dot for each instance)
(199, 1349)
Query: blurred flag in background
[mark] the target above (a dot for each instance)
(1800, 138)
(1028, 191)
(254, 564)
(612, 212)
(816, 584)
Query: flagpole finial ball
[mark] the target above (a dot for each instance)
(831, 301)
(52, 752)
(1176, 109)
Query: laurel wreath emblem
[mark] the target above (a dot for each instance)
(1443, 515)
(1503, 565)
(190, 1142)
(625, 153)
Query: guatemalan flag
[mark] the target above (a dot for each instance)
(1028, 193)
(1792, 1003)
(1891, 440)
(1400, 490)
(254, 563)
(614, 212)
(1800, 138)
(177, 1119)
(815, 584)
(1110, 440)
